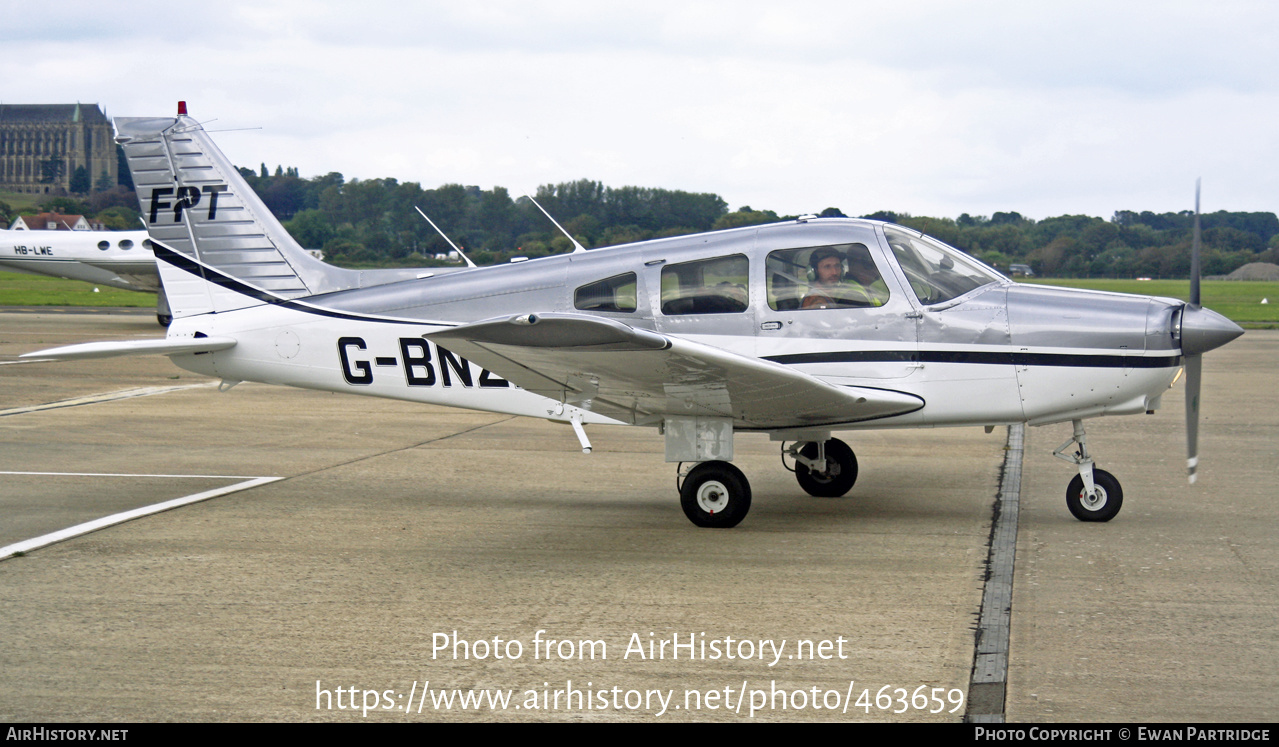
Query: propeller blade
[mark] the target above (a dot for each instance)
(1194, 375)
(1194, 360)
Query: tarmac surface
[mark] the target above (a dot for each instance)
(398, 530)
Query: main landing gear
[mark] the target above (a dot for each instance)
(1093, 494)
(716, 494)
(826, 469)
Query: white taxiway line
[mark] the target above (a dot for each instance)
(107, 397)
(106, 521)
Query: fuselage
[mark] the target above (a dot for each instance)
(921, 319)
(118, 259)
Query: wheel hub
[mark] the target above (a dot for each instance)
(1095, 501)
(712, 497)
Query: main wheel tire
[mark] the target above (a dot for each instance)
(841, 470)
(1104, 506)
(715, 494)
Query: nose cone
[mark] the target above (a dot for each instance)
(1203, 330)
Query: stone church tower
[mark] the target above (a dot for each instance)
(42, 146)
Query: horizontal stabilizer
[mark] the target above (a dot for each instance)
(176, 346)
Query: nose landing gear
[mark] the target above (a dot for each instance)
(1102, 504)
(1094, 494)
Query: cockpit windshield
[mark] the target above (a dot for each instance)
(937, 272)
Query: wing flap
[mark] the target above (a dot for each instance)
(639, 376)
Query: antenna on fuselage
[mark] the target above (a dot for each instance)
(577, 248)
(469, 263)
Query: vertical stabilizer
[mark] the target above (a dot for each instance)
(196, 203)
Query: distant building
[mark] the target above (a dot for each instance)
(42, 146)
(52, 222)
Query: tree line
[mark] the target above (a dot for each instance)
(1130, 244)
(372, 222)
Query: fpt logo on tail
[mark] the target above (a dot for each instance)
(185, 198)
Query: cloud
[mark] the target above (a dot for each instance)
(923, 107)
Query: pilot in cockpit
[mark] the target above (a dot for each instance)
(831, 289)
(862, 269)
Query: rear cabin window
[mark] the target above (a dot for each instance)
(612, 294)
(839, 276)
(707, 286)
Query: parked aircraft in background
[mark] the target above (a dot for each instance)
(797, 329)
(116, 259)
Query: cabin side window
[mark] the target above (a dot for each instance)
(611, 294)
(707, 286)
(840, 276)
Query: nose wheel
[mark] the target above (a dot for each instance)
(1093, 494)
(715, 495)
(1102, 505)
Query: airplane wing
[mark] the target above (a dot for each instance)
(140, 273)
(641, 377)
(121, 267)
(175, 346)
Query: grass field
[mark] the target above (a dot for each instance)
(20, 289)
(21, 201)
(1239, 301)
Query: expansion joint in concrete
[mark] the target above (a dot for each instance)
(988, 687)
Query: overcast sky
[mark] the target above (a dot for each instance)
(929, 108)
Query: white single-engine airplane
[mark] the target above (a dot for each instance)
(795, 329)
(116, 259)
(120, 259)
